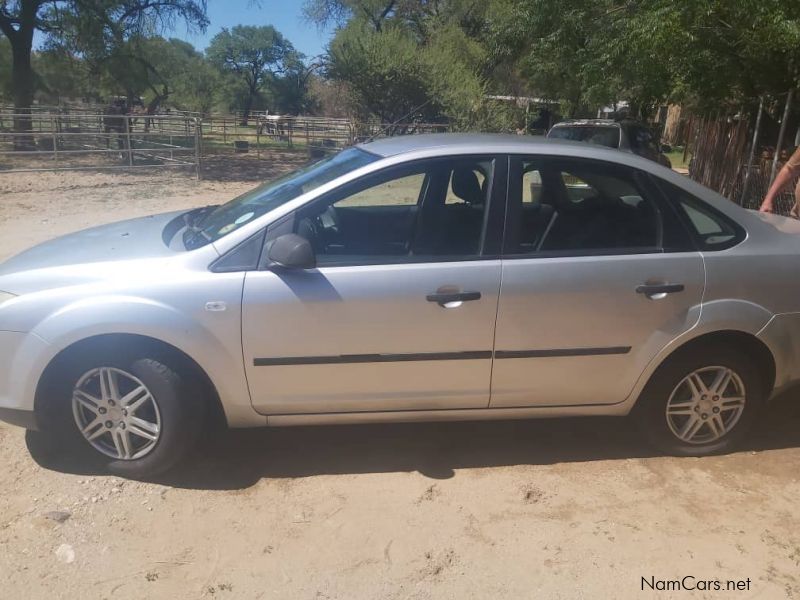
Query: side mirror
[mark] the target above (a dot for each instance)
(292, 251)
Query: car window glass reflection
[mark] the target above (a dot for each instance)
(435, 213)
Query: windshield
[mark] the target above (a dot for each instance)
(269, 196)
(593, 134)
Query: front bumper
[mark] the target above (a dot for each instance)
(22, 359)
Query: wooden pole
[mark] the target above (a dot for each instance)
(55, 142)
(128, 138)
(781, 135)
(198, 127)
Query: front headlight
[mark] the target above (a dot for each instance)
(6, 296)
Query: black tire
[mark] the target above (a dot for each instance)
(181, 403)
(650, 410)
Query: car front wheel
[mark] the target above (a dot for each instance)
(702, 402)
(138, 415)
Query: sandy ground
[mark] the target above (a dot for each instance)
(540, 509)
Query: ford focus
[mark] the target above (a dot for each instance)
(420, 278)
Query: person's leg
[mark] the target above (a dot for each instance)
(795, 212)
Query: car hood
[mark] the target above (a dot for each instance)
(133, 239)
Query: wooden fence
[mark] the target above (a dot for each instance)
(721, 151)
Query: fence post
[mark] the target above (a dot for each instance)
(258, 141)
(198, 137)
(128, 137)
(308, 141)
(55, 142)
(224, 131)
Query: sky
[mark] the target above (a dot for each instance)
(285, 15)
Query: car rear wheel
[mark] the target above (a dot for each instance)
(138, 415)
(701, 402)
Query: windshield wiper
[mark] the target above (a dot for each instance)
(193, 220)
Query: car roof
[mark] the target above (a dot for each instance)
(460, 143)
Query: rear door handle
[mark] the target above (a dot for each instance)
(442, 298)
(661, 288)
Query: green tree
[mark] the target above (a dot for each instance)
(414, 59)
(290, 93)
(384, 69)
(61, 75)
(162, 72)
(706, 53)
(255, 55)
(92, 25)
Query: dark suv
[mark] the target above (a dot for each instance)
(626, 135)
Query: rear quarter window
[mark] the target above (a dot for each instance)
(710, 229)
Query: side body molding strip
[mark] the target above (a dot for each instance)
(426, 356)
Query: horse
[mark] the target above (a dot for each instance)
(115, 119)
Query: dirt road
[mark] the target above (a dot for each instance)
(546, 509)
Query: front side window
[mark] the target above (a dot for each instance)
(579, 207)
(433, 211)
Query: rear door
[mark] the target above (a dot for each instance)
(400, 312)
(598, 275)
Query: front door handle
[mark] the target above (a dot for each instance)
(659, 288)
(444, 298)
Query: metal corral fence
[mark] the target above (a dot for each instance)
(78, 138)
(318, 135)
(83, 141)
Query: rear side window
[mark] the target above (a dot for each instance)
(576, 207)
(710, 229)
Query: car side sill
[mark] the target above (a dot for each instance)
(466, 414)
(19, 417)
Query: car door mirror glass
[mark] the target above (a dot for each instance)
(292, 251)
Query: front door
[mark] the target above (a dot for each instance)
(399, 313)
(598, 276)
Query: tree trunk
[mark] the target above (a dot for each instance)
(22, 79)
(248, 103)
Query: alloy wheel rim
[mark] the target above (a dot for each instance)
(706, 405)
(116, 413)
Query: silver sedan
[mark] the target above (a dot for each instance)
(409, 279)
